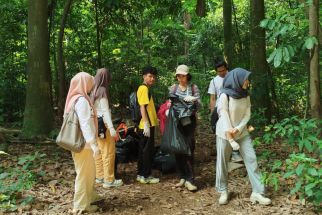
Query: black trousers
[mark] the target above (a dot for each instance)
(146, 152)
(185, 162)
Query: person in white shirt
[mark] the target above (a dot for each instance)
(231, 133)
(80, 85)
(105, 162)
(215, 86)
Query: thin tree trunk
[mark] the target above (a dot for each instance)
(307, 16)
(54, 79)
(228, 38)
(315, 91)
(258, 63)
(98, 37)
(38, 115)
(187, 26)
(60, 60)
(201, 8)
(237, 29)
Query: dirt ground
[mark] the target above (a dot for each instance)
(55, 190)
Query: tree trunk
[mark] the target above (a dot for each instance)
(38, 116)
(307, 16)
(52, 53)
(258, 63)
(98, 36)
(60, 60)
(187, 26)
(228, 38)
(315, 91)
(201, 8)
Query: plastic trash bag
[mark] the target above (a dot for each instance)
(164, 162)
(173, 141)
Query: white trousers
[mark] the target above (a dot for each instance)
(248, 153)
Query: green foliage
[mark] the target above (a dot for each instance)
(14, 180)
(302, 168)
(285, 34)
(300, 134)
(306, 173)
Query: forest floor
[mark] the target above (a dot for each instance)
(53, 193)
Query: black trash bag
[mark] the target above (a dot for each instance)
(173, 141)
(126, 149)
(164, 162)
(182, 110)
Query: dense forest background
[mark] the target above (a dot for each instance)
(45, 42)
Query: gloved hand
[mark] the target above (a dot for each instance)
(95, 149)
(234, 144)
(112, 132)
(190, 98)
(146, 130)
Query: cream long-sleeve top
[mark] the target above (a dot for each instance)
(103, 110)
(86, 120)
(233, 113)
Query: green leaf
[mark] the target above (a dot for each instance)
(278, 58)
(290, 50)
(309, 186)
(299, 169)
(312, 171)
(3, 175)
(271, 24)
(288, 174)
(264, 23)
(310, 42)
(286, 54)
(272, 55)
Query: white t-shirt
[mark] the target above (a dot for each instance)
(215, 87)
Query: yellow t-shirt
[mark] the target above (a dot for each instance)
(143, 99)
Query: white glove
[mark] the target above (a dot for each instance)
(96, 150)
(234, 144)
(146, 130)
(190, 98)
(167, 112)
(113, 132)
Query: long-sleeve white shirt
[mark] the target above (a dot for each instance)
(233, 113)
(104, 110)
(86, 120)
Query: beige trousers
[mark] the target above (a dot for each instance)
(85, 178)
(105, 162)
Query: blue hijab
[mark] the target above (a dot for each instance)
(233, 83)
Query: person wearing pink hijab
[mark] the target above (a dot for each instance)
(105, 162)
(77, 97)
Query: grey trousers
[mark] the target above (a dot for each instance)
(248, 153)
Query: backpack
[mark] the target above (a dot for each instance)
(193, 86)
(135, 107)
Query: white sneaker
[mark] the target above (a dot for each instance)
(99, 180)
(139, 177)
(89, 209)
(223, 199)
(152, 180)
(115, 183)
(181, 183)
(191, 187)
(257, 197)
(235, 157)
